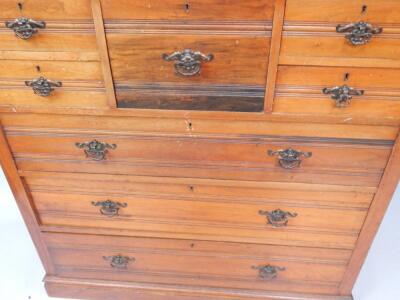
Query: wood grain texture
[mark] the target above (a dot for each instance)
(195, 10)
(44, 10)
(90, 289)
(376, 213)
(380, 12)
(181, 262)
(23, 201)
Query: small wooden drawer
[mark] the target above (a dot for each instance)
(331, 162)
(372, 96)
(337, 33)
(198, 263)
(230, 76)
(256, 10)
(47, 10)
(376, 11)
(72, 84)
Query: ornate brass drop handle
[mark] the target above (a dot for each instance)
(289, 158)
(25, 28)
(96, 150)
(277, 218)
(268, 272)
(42, 86)
(109, 208)
(188, 62)
(342, 94)
(359, 33)
(119, 261)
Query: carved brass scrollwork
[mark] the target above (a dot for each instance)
(278, 217)
(289, 158)
(268, 272)
(188, 62)
(25, 28)
(359, 33)
(109, 208)
(96, 150)
(342, 94)
(119, 261)
(42, 86)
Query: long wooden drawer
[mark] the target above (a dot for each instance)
(216, 219)
(330, 162)
(315, 91)
(241, 266)
(232, 80)
(317, 32)
(256, 10)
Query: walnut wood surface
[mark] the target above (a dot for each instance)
(191, 161)
(195, 9)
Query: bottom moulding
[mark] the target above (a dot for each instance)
(111, 290)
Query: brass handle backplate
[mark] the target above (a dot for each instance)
(96, 150)
(268, 272)
(359, 33)
(109, 208)
(342, 94)
(188, 62)
(25, 28)
(278, 217)
(42, 86)
(289, 158)
(119, 261)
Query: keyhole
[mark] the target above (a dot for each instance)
(364, 9)
(20, 6)
(191, 188)
(187, 7)
(190, 125)
(38, 68)
(346, 76)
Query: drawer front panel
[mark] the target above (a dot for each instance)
(212, 219)
(233, 80)
(47, 10)
(195, 157)
(197, 263)
(332, 49)
(304, 94)
(378, 11)
(50, 40)
(189, 10)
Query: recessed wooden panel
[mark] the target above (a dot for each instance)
(43, 10)
(172, 261)
(234, 80)
(188, 10)
(379, 11)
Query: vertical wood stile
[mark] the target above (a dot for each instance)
(23, 201)
(103, 50)
(375, 216)
(276, 40)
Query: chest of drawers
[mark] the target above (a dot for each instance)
(201, 149)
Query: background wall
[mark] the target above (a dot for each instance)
(21, 271)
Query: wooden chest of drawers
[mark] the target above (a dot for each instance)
(201, 149)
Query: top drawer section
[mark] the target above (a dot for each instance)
(48, 10)
(376, 11)
(256, 10)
